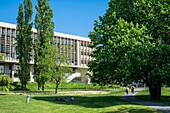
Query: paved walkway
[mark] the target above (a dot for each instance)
(154, 105)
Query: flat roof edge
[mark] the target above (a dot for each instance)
(13, 26)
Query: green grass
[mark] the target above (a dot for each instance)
(50, 86)
(89, 103)
(165, 98)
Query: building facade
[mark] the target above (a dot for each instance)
(79, 54)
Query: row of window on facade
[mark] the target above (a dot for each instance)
(85, 51)
(15, 68)
(6, 39)
(12, 32)
(7, 31)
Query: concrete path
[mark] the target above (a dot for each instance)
(154, 105)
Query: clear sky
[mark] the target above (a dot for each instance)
(74, 17)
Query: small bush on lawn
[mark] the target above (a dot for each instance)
(5, 83)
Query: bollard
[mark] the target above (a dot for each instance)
(27, 99)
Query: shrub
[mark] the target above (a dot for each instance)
(5, 83)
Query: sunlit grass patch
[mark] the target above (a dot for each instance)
(85, 103)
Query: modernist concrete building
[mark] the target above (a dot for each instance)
(79, 50)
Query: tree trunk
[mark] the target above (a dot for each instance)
(39, 87)
(155, 91)
(56, 88)
(43, 86)
(23, 86)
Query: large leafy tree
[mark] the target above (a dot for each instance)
(24, 40)
(132, 39)
(43, 43)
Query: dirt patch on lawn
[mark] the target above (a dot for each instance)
(83, 92)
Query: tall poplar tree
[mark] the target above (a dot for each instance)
(24, 41)
(43, 43)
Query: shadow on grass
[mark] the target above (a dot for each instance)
(3, 94)
(143, 97)
(131, 110)
(146, 97)
(97, 102)
(86, 101)
(164, 99)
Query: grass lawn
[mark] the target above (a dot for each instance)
(32, 86)
(165, 98)
(83, 103)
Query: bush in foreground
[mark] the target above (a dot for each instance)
(5, 83)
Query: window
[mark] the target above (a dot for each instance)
(7, 48)
(3, 39)
(3, 31)
(72, 41)
(58, 39)
(8, 39)
(13, 40)
(16, 68)
(13, 49)
(81, 43)
(8, 55)
(1, 68)
(65, 41)
(68, 41)
(2, 48)
(13, 33)
(13, 55)
(8, 32)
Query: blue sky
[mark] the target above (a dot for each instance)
(70, 16)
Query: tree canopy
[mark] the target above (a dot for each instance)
(24, 41)
(43, 43)
(131, 41)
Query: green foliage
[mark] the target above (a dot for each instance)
(24, 41)
(2, 55)
(112, 55)
(131, 41)
(5, 83)
(61, 64)
(51, 86)
(44, 43)
(5, 80)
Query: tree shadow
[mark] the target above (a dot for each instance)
(143, 97)
(131, 110)
(3, 94)
(86, 101)
(164, 99)
(97, 102)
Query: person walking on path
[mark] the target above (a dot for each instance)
(127, 90)
(132, 89)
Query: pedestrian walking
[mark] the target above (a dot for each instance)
(132, 89)
(127, 90)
